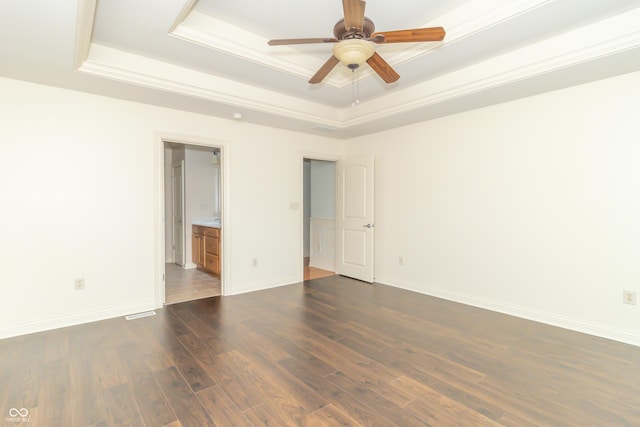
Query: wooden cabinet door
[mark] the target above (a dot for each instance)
(212, 245)
(196, 249)
(212, 263)
(211, 253)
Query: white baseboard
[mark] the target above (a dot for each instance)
(552, 319)
(189, 266)
(74, 319)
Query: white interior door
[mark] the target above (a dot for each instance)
(177, 178)
(355, 218)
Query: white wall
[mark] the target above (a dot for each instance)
(530, 207)
(78, 201)
(323, 189)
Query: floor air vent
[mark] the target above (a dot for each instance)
(139, 315)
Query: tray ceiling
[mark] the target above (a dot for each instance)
(212, 57)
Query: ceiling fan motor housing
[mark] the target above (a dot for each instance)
(342, 33)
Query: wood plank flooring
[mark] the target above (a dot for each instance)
(185, 285)
(311, 273)
(329, 352)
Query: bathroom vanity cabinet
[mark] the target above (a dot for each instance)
(206, 248)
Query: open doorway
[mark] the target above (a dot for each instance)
(193, 206)
(319, 197)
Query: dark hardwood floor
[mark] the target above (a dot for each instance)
(329, 352)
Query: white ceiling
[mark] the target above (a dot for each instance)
(212, 57)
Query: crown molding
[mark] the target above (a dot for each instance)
(576, 47)
(218, 35)
(184, 13)
(117, 65)
(463, 22)
(84, 28)
(569, 49)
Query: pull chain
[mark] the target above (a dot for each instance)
(355, 100)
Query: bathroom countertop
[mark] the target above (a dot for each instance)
(207, 222)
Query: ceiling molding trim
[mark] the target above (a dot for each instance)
(85, 19)
(186, 10)
(465, 22)
(199, 28)
(135, 69)
(575, 47)
(461, 23)
(519, 65)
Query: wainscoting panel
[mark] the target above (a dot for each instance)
(323, 243)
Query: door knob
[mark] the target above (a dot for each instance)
(368, 226)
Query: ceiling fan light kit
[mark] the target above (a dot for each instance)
(354, 52)
(355, 42)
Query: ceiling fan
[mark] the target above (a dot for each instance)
(355, 39)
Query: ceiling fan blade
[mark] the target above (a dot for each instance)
(324, 70)
(434, 34)
(353, 14)
(383, 69)
(301, 41)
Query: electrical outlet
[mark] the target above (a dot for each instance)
(629, 297)
(254, 262)
(401, 260)
(78, 284)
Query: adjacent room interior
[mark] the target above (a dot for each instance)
(192, 233)
(319, 211)
(182, 244)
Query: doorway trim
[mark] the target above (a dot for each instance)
(301, 158)
(183, 258)
(159, 220)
